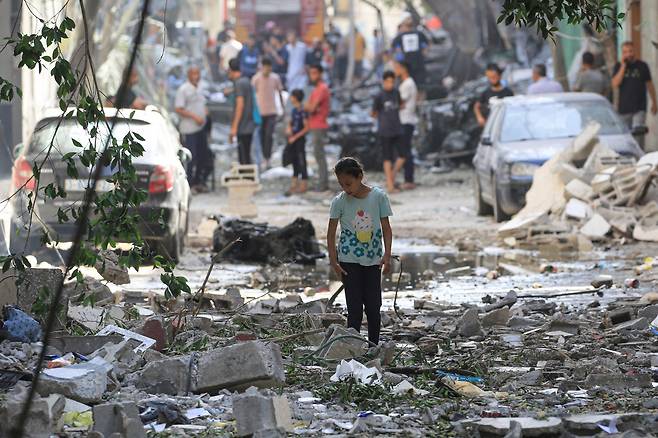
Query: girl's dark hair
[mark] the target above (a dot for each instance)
(348, 166)
(298, 94)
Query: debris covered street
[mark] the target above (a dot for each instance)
(185, 279)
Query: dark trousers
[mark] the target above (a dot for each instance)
(244, 148)
(197, 143)
(407, 137)
(363, 289)
(267, 135)
(299, 169)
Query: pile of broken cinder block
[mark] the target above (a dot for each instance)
(587, 193)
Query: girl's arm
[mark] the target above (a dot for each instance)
(331, 246)
(388, 243)
(301, 133)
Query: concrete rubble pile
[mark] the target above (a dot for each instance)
(588, 193)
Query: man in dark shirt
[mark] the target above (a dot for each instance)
(243, 124)
(495, 89)
(249, 57)
(130, 100)
(386, 108)
(279, 55)
(410, 46)
(633, 79)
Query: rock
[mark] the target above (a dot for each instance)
(256, 411)
(620, 315)
(240, 366)
(561, 325)
(43, 416)
(588, 424)
(634, 324)
(469, 324)
(84, 382)
(509, 300)
(533, 378)
(531, 427)
(649, 312)
(344, 348)
(109, 268)
(496, 317)
(618, 381)
(166, 376)
(122, 418)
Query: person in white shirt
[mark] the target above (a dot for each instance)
(408, 118)
(229, 50)
(296, 75)
(541, 83)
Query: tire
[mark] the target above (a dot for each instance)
(499, 214)
(174, 246)
(481, 207)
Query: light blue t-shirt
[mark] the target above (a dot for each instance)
(360, 226)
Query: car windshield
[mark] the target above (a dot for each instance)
(544, 121)
(70, 130)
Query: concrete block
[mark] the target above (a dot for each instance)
(344, 348)
(577, 209)
(34, 280)
(579, 190)
(596, 228)
(166, 376)
(109, 268)
(122, 418)
(531, 427)
(84, 382)
(43, 416)
(256, 412)
(618, 381)
(240, 366)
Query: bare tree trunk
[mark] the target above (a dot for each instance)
(559, 66)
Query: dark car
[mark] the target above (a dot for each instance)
(523, 132)
(160, 172)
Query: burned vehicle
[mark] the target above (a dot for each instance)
(160, 173)
(523, 132)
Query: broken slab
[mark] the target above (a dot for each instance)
(577, 209)
(469, 324)
(256, 412)
(118, 418)
(240, 366)
(634, 324)
(509, 300)
(34, 280)
(8, 290)
(84, 382)
(531, 427)
(82, 344)
(618, 381)
(596, 228)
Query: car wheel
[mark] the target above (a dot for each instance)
(171, 247)
(499, 214)
(481, 207)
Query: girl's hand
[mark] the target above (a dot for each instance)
(338, 269)
(386, 264)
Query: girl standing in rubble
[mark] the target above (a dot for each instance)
(364, 248)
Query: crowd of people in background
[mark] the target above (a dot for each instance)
(272, 61)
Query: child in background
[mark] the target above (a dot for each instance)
(361, 256)
(386, 108)
(296, 132)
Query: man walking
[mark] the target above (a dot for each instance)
(317, 107)
(633, 79)
(249, 56)
(243, 125)
(541, 84)
(590, 79)
(277, 52)
(296, 76)
(409, 119)
(267, 84)
(190, 105)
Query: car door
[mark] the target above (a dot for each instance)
(485, 154)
